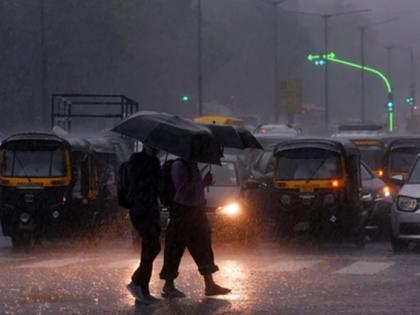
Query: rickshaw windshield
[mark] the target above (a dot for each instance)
(308, 164)
(372, 155)
(33, 159)
(415, 174)
(401, 159)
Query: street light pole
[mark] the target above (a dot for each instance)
(199, 60)
(326, 76)
(362, 72)
(43, 106)
(412, 79)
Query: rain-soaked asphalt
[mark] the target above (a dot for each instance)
(268, 278)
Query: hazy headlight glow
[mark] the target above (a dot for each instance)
(386, 191)
(231, 209)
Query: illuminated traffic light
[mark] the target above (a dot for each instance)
(390, 106)
(410, 100)
(185, 98)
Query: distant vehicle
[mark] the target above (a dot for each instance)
(372, 149)
(223, 120)
(277, 129)
(406, 211)
(400, 154)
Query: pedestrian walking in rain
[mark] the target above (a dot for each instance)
(188, 228)
(143, 172)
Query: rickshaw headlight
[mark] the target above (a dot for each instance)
(329, 199)
(231, 209)
(286, 200)
(406, 203)
(24, 217)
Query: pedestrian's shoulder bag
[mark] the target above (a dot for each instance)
(167, 186)
(123, 186)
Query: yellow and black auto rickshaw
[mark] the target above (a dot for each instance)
(53, 186)
(400, 154)
(35, 180)
(222, 120)
(316, 189)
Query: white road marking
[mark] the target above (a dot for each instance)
(54, 263)
(364, 268)
(290, 266)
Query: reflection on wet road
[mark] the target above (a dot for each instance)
(265, 279)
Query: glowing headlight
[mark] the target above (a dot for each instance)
(231, 209)
(386, 191)
(406, 203)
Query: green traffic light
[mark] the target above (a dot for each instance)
(185, 98)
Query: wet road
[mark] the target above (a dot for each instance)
(268, 278)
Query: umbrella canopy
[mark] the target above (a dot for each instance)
(172, 134)
(234, 137)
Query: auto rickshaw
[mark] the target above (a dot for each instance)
(35, 185)
(51, 186)
(223, 120)
(317, 189)
(400, 154)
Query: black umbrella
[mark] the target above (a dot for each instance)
(172, 134)
(234, 137)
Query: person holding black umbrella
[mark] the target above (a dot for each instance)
(189, 228)
(143, 172)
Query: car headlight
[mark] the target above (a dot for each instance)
(386, 191)
(406, 203)
(231, 209)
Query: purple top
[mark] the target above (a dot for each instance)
(189, 186)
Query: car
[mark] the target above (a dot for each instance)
(228, 213)
(278, 129)
(405, 214)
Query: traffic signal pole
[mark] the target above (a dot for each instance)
(331, 57)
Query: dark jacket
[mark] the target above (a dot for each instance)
(143, 177)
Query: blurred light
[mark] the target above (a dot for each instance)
(335, 183)
(185, 98)
(231, 209)
(380, 173)
(386, 191)
(410, 100)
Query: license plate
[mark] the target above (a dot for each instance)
(307, 189)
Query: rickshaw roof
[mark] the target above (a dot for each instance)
(268, 141)
(339, 145)
(401, 141)
(224, 120)
(41, 136)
